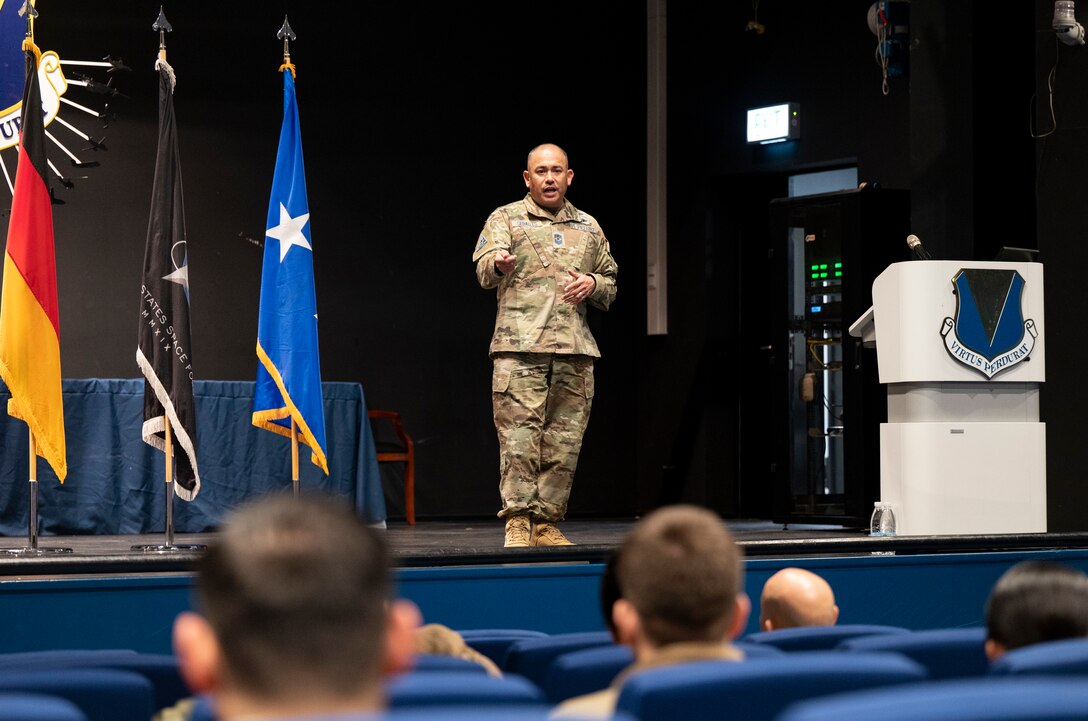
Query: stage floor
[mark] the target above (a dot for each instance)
(479, 542)
(594, 539)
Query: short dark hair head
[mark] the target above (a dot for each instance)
(681, 570)
(1037, 601)
(295, 589)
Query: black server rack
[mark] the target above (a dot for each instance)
(828, 249)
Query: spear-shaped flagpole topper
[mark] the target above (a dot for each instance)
(163, 26)
(286, 34)
(30, 12)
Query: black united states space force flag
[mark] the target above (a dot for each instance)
(164, 353)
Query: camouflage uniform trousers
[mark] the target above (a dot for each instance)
(541, 403)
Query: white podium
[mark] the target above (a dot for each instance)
(960, 346)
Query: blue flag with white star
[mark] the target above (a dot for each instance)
(289, 371)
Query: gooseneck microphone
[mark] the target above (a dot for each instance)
(917, 250)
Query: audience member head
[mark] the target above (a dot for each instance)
(680, 580)
(297, 618)
(1036, 601)
(438, 640)
(795, 597)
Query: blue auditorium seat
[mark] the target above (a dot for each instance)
(757, 689)
(203, 709)
(817, 638)
(37, 707)
(1065, 657)
(585, 671)
(969, 699)
(60, 656)
(160, 669)
(453, 688)
(532, 657)
(501, 713)
(438, 662)
(103, 694)
(494, 642)
(758, 650)
(945, 652)
(592, 669)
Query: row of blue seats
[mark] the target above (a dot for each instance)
(784, 667)
(541, 670)
(591, 659)
(87, 685)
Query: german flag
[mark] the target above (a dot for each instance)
(29, 320)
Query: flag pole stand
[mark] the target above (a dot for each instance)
(169, 545)
(32, 548)
(294, 457)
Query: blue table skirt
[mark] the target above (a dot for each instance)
(115, 481)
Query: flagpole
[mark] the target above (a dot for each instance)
(286, 34)
(162, 26)
(32, 519)
(290, 390)
(32, 515)
(294, 457)
(169, 514)
(32, 548)
(168, 532)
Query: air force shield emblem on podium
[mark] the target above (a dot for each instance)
(989, 333)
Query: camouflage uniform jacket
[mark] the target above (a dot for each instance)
(532, 317)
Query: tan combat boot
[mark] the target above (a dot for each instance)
(548, 534)
(518, 533)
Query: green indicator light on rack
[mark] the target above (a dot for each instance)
(814, 267)
(815, 275)
(838, 265)
(823, 275)
(823, 266)
(838, 273)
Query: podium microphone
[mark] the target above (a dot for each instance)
(917, 250)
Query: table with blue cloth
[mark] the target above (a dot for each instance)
(115, 481)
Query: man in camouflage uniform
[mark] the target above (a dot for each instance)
(548, 260)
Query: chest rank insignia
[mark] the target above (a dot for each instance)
(557, 238)
(989, 333)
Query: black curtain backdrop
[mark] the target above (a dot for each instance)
(416, 121)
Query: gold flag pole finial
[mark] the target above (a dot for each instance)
(286, 34)
(162, 25)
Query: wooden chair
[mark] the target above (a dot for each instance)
(404, 454)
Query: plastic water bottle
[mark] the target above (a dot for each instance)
(882, 522)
